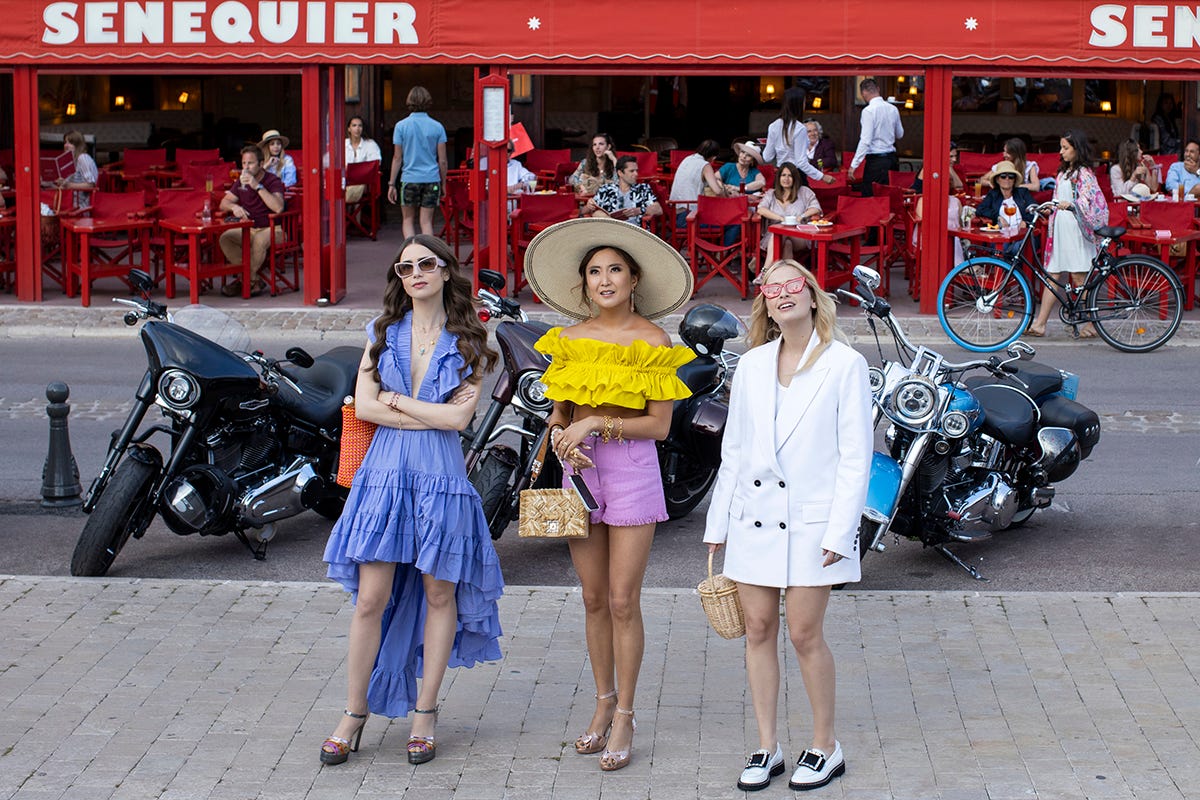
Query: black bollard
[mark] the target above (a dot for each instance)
(60, 475)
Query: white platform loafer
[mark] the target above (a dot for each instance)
(815, 768)
(761, 766)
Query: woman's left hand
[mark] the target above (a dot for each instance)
(831, 558)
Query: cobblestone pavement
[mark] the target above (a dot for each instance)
(224, 690)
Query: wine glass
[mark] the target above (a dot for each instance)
(1010, 211)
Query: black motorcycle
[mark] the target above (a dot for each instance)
(253, 440)
(688, 457)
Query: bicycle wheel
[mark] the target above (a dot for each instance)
(982, 306)
(1138, 306)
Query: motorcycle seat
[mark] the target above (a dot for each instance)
(325, 384)
(1009, 415)
(698, 374)
(1040, 378)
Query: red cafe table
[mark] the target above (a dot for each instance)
(821, 237)
(1147, 240)
(195, 233)
(77, 244)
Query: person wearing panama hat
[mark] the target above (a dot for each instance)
(1007, 204)
(613, 381)
(275, 160)
(742, 175)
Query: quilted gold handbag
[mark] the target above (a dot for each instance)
(352, 446)
(550, 513)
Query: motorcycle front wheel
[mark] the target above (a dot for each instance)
(491, 478)
(113, 520)
(984, 305)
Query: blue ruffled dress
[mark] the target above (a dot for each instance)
(411, 503)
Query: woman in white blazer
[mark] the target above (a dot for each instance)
(795, 463)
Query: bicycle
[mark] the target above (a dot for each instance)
(1134, 301)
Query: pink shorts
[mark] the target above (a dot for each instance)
(626, 482)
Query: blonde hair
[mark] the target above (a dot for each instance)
(763, 329)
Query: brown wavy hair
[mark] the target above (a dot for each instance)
(461, 319)
(763, 329)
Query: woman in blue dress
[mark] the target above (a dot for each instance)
(412, 545)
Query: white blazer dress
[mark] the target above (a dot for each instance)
(793, 478)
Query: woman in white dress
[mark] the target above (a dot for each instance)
(1080, 208)
(795, 464)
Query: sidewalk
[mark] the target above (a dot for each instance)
(224, 690)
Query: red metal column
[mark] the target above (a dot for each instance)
(935, 247)
(26, 181)
(495, 210)
(315, 234)
(334, 208)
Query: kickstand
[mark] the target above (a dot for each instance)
(259, 552)
(953, 559)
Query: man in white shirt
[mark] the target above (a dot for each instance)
(881, 128)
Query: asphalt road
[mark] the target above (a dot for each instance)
(1127, 520)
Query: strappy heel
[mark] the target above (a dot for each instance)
(613, 760)
(335, 749)
(590, 742)
(421, 748)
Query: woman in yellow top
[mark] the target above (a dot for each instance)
(613, 381)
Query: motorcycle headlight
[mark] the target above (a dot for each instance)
(876, 379)
(178, 389)
(915, 400)
(532, 392)
(955, 424)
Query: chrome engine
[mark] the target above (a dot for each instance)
(203, 499)
(989, 505)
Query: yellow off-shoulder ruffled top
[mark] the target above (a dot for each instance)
(593, 373)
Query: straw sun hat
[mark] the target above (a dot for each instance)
(752, 149)
(273, 134)
(1006, 168)
(552, 266)
(1137, 192)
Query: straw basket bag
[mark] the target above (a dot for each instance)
(352, 446)
(722, 606)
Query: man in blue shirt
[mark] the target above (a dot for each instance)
(420, 144)
(1186, 173)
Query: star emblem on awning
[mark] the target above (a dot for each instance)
(971, 23)
(534, 23)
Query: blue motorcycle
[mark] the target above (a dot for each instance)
(971, 448)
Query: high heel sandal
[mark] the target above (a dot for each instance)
(337, 750)
(589, 742)
(613, 760)
(421, 748)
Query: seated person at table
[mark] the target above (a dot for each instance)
(821, 150)
(742, 176)
(256, 195)
(691, 176)
(1132, 167)
(1007, 195)
(626, 199)
(953, 223)
(85, 175)
(519, 180)
(1014, 154)
(791, 197)
(597, 168)
(276, 161)
(1186, 173)
(359, 150)
(956, 183)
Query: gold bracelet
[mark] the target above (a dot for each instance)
(606, 435)
(393, 405)
(620, 430)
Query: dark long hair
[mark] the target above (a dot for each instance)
(596, 167)
(1015, 147)
(1083, 153)
(792, 112)
(797, 181)
(456, 300)
(1127, 158)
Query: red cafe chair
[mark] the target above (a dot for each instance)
(185, 156)
(898, 202)
(8, 249)
(185, 203)
(707, 253)
(535, 213)
(768, 172)
(113, 252)
(564, 170)
(363, 214)
(199, 175)
(1179, 218)
(286, 250)
(874, 214)
(133, 165)
(901, 177)
(458, 212)
(544, 164)
(647, 163)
